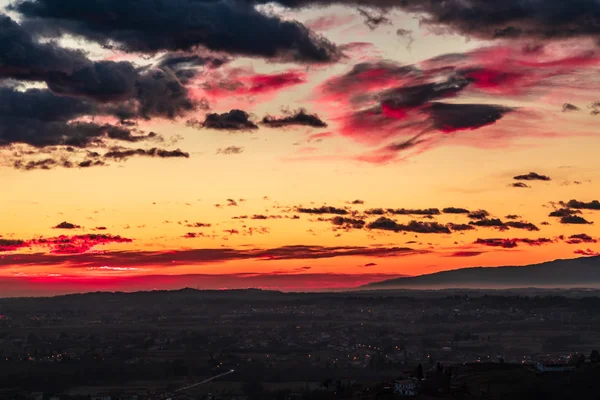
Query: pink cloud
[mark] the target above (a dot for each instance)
(319, 136)
(329, 22)
(235, 87)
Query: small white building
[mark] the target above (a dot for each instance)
(406, 387)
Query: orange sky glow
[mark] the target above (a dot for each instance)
(393, 183)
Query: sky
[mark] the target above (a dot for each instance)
(292, 145)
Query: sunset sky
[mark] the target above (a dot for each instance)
(297, 145)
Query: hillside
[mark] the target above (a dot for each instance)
(577, 272)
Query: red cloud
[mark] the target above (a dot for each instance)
(11, 244)
(587, 252)
(378, 102)
(266, 83)
(77, 244)
(226, 84)
(495, 81)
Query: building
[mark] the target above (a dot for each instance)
(406, 387)
(550, 367)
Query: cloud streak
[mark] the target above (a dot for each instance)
(201, 256)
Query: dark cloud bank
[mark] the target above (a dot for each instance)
(149, 26)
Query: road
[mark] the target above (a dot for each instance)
(206, 380)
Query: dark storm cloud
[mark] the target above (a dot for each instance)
(455, 117)
(300, 117)
(490, 223)
(78, 90)
(563, 212)
(492, 19)
(574, 220)
(520, 185)
(532, 176)
(144, 92)
(512, 216)
(234, 120)
(522, 225)
(357, 201)
(181, 60)
(455, 210)
(348, 223)
(66, 225)
(158, 93)
(323, 210)
(405, 211)
(120, 154)
(582, 205)
(489, 19)
(478, 214)
(375, 211)
(499, 224)
(387, 224)
(512, 243)
(581, 238)
(40, 118)
(460, 227)
(23, 57)
(567, 107)
(149, 26)
(41, 105)
(103, 81)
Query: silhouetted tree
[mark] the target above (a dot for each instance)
(594, 356)
(420, 372)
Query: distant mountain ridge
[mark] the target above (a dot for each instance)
(577, 272)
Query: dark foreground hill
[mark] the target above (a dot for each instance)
(577, 272)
